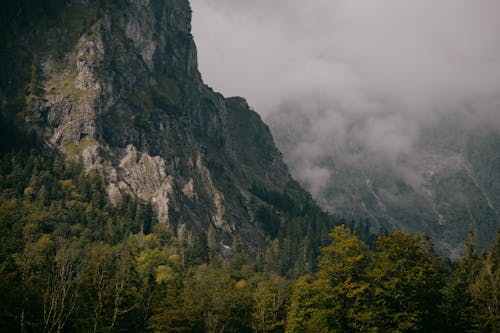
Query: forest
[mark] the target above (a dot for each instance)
(72, 261)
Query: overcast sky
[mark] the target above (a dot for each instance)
(372, 70)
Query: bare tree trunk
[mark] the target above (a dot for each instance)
(59, 298)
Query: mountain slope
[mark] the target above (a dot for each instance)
(445, 185)
(116, 84)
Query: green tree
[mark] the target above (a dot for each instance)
(31, 263)
(458, 305)
(60, 292)
(98, 266)
(407, 283)
(271, 299)
(336, 299)
(125, 297)
(170, 313)
(158, 266)
(216, 302)
(485, 291)
(302, 305)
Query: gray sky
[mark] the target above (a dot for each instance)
(365, 71)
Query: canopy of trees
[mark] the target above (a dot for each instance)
(70, 261)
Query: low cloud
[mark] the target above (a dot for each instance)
(351, 75)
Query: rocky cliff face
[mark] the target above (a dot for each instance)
(447, 185)
(116, 84)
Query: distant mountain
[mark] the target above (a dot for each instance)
(134, 198)
(447, 185)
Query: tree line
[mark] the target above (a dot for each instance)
(70, 261)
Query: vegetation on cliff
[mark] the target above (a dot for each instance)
(146, 202)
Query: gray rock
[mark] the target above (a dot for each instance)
(125, 95)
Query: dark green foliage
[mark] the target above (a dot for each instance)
(407, 281)
(269, 220)
(197, 252)
(72, 261)
(398, 287)
(472, 294)
(58, 230)
(282, 201)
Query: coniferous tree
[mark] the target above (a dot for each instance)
(406, 281)
(485, 290)
(458, 305)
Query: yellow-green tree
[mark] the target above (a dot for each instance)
(217, 302)
(302, 305)
(270, 304)
(335, 300)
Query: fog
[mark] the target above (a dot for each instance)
(345, 74)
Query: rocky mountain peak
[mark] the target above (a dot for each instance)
(116, 84)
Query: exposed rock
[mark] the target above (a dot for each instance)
(446, 186)
(120, 89)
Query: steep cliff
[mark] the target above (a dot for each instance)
(116, 84)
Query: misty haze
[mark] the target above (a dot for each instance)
(385, 110)
(239, 166)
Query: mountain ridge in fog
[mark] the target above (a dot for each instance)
(351, 83)
(446, 185)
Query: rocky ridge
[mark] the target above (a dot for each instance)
(116, 84)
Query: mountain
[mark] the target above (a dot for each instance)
(133, 198)
(115, 85)
(447, 184)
